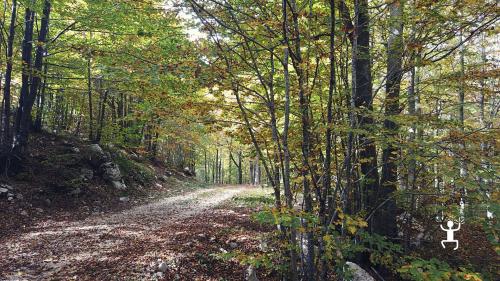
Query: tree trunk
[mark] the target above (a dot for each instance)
(327, 177)
(309, 270)
(362, 94)
(102, 112)
(89, 93)
(7, 137)
(39, 113)
(28, 94)
(385, 217)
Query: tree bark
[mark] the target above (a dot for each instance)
(362, 94)
(7, 136)
(26, 101)
(385, 217)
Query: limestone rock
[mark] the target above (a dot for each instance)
(120, 185)
(251, 274)
(111, 171)
(163, 267)
(358, 274)
(95, 155)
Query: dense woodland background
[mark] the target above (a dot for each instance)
(374, 122)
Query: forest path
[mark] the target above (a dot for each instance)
(60, 250)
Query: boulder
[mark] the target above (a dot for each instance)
(110, 171)
(188, 172)
(357, 273)
(251, 274)
(3, 185)
(163, 267)
(6, 191)
(95, 155)
(120, 185)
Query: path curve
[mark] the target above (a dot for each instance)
(53, 249)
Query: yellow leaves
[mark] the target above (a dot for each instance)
(351, 224)
(471, 277)
(351, 229)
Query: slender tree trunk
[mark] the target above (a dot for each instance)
(362, 93)
(24, 108)
(206, 167)
(240, 168)
(461, 120)
(89, 93)
(385, 218)
(102, 112)
(327, 177)
(39, 113)
(7, 136)
(293, 275)
(309, 270)
(216, 171)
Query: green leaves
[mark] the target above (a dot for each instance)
(435, 270)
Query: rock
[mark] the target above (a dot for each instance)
(162, 267)
(188, 172)
(124, 199)
(233, 245)
(3, 190)
(95, 155)
(111, 171)
(358, 274)
(75, 191)
(120, 185)
(3, 185)
(263, 245)
(158, 185)
(11, 199)
(86, 174)
(251, 274)
(24, 213)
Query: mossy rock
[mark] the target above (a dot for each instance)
(134, 171)
(63, 160)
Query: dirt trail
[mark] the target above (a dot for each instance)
(56, 250)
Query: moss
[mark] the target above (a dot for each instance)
(133, 170)
(63, 160)
(255, 197)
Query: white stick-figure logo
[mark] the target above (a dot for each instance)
(450, 234)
